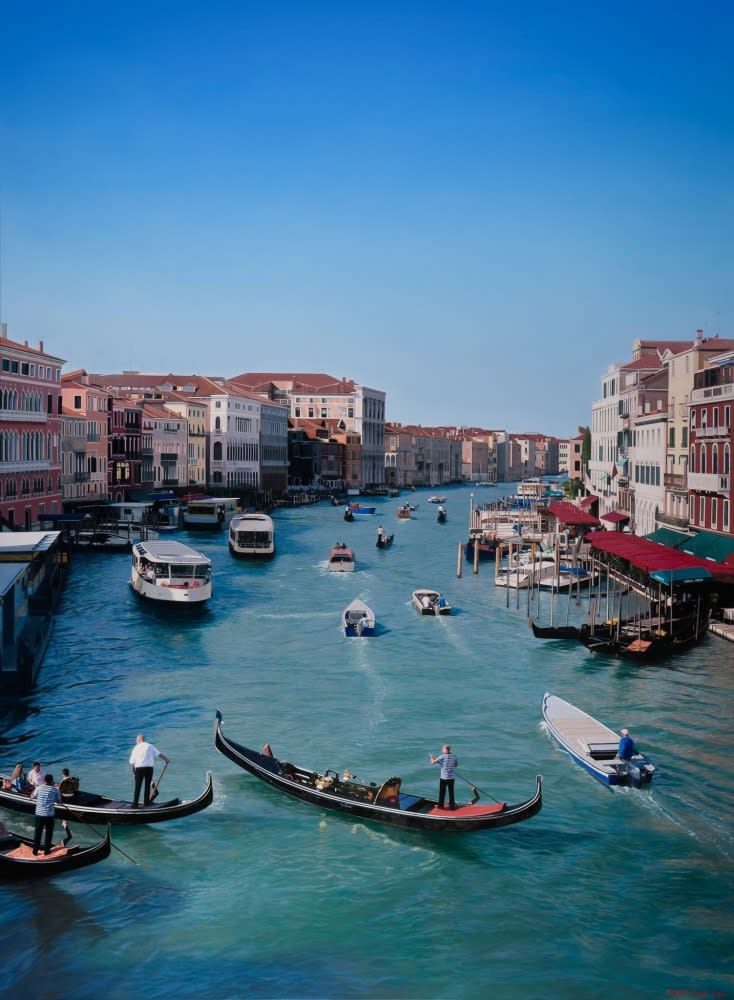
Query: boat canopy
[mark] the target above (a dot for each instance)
(650, 557)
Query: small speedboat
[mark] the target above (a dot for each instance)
(593, 745)
(341, 559)
(437, 499)
(358, 619)
(431, 602)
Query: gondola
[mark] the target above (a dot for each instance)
(554, 631)
(385, 803)
(17, 862)
(93, 808)
(384, 541)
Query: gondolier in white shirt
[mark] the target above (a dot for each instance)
(142, 761)
(449, 763)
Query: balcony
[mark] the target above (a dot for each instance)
(712, 432)
(25, 416)
(708, 482)
(713, 392)
(674, 522)
(81, 477)
(674, 481)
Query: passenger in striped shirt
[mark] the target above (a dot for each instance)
(46, 796)
(448, 763)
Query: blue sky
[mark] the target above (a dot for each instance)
(476, 206)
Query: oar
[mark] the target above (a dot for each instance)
(154, 793)
(78, 815)
(475, 790)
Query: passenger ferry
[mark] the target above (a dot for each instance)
(211, 513)
(170, 572)
(252, 535)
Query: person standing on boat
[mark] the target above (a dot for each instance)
(46, 796)
(626, 750)
(379, 533)
(142, 760)
(449, 763)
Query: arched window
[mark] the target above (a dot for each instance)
(218, 424)
(715, 459)
(726, 460)
(703, 458)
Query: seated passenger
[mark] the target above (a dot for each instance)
(36, 776)
(18, 781)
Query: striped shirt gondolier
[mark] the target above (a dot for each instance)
(46, 796)
(448, 763)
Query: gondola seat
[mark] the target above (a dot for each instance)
(389, 793)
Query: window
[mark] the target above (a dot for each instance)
(77, 402)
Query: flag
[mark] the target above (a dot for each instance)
(614, 471)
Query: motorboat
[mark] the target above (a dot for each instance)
(358, 619)
(593, 745)
(170, 572)
(341, 559)
(430, 602)
(210, 513)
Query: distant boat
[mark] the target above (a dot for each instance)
(170, 572)
(384, 541)
(210, 513)
(437, 499)
(357, 509)
(405, 512)
(593, 745)
(358, 619)
(252, 535)
(341, 559)
(441, 515)
(430, 602)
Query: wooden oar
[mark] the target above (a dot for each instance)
(475, 790)
(154, 793)
(78, 815)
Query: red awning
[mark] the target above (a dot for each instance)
(650, 556)
(615, 516)
(568, 513)
(587, 501)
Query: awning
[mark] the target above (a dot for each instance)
(706, 545)
(685, 574)
(667, 536)
(650, 557)
(615, 517)
(568, 513)
(588, 502)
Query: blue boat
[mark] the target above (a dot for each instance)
(593, 745)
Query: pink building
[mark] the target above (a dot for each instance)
(30, 433)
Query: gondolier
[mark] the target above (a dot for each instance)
(142, 761)
(449, 763)
(46, 796)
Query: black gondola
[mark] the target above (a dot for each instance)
(554, 631)
(348, 515)
(384, 803)
(384, 541)
(17, 862)
(93, 808)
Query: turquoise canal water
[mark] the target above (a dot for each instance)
(602, 894)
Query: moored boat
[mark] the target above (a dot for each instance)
(554, 631)
(93, 808)
(593, 745)
(358, 619)
(486, 544)
(341, 559)
(170, 572)
(18, 863)
(383, 803)
(430, 602)
(251, 536)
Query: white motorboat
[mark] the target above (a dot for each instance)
(210, 513)
(358, 619)
(170, 572)
(431, 602)
(252, 535)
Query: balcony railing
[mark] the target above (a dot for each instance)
(725, 391)
(712, 432)
(708, 482)
(675, 481)
(24, 416)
